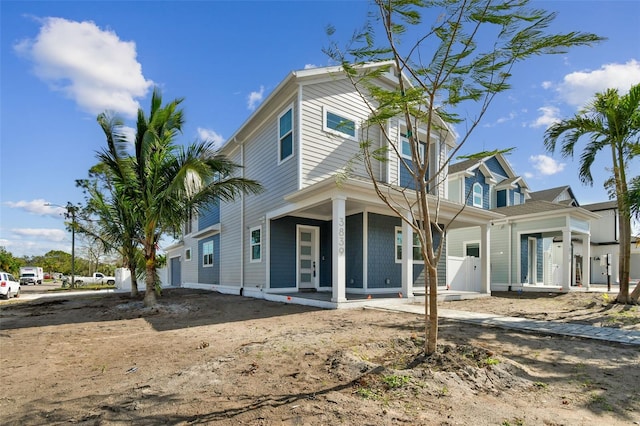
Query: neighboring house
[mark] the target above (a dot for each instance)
(559, 195)
(605, 245)
(306, 231)
(539, 242)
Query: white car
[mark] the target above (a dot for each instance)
(9, 286)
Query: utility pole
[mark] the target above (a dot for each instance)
(70, 214)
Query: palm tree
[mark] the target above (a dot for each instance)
(116, 226)
(162, 182)
(611, 121)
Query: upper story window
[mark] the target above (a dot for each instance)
(256, 244)
(207, 253)
(517, 198)
(339, 124)
(405, 148)
(477, 195)
(187, 254)
(285, 135)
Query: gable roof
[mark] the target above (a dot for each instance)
(470, 165)
(542, 207)
(605, 205)
(552, 195)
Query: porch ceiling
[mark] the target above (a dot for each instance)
(316, 202)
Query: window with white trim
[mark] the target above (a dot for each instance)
(405, 148)
(472, 248)
(517, 198)
(417, 247)
(477, 195)
(207, 253)
(338, 124)
(255, 235)
(187, 254)
(285, 135)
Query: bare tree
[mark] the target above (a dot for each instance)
(462, 60)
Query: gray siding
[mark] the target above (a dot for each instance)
(500, 254)
(209, 216)
(354, 258)
(325, 153)
(209, 274)
(381, 245)
(231, 236)
(283, 242)
(278, 180)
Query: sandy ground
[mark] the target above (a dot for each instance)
(206, 358)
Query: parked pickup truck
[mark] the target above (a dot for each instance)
(96, 278)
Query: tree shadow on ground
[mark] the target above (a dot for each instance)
(176, 309)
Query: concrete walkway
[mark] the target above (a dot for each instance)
(608, 334)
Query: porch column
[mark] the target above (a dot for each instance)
(338, 256)
(407, 258)
(586, 260)
(485, 258)
(566, 258)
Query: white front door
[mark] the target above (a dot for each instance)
(307, 257)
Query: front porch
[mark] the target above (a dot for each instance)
(344, 243)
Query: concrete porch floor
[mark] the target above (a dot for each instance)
(322, 299)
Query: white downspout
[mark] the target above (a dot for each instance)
(242, 233)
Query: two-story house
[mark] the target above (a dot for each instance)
(308, 231)
(541, 239)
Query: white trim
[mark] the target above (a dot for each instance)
(365, 251)
(395, 246)
(532, 272)
(315, 230)
(473, 194)
(299, 135)
(212, 254)
(279, 137)
(326, 110)
(466, 243)
(251, 244)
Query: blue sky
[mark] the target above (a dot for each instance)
(64, 62)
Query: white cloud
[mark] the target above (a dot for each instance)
(547, 84)
(546, 165)
(579, 87)
(310, 66)
(41, 233)
(210, 135)
(548, 116)
(89, 65)
(255, 98)
(37, 206)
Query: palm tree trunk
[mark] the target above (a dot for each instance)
(150, 298)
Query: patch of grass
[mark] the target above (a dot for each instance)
(394, 381)
(366, 393)
(85, 287)
(600, 401)
(516, 421)
(622, 318)
(444, 391)
(540, 385)
(490, 361)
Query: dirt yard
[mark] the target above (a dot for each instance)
(206, 358)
